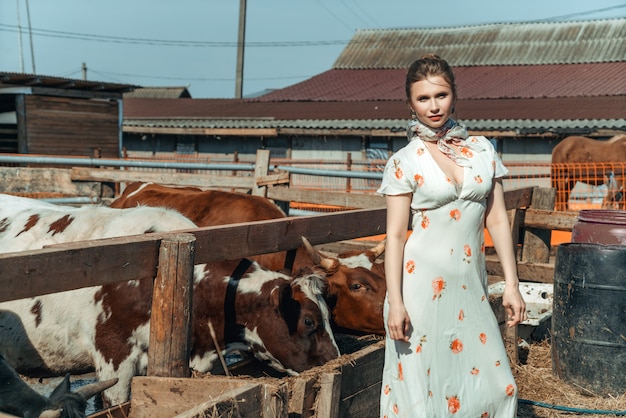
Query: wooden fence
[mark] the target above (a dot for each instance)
(348, 389)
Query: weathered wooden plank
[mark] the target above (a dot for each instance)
(518, 198)
(161, 397)
(361, 382)
(172, 179)
(528, 272)
(348, 200)
(170, 325)
(28, 273)
(549, 219)
(536, 241)
(328, 397)
(302, 396)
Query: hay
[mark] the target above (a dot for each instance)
(536, 383)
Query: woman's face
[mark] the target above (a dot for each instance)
(432, 101)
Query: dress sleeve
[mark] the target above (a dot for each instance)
(500, 169)
(396, 176)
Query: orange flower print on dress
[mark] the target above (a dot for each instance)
(397, 169)
(482, 248)
(425, 222)
(474, 371)
(400, 375)
(466, 152)
(461, 315)
(483, 338)
(410, 266)
(456, 346)
(497, 363)
(419, 180)
(485, 415)
(395, 409)
(510, 390)
(438, 285)
(387, 390)
(467, 250)
(453, 404)
(419, 346)
(455, 214)
(478, 179)
(420, 152)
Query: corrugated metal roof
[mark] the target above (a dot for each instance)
(520, 126)
(160, 92)
(480, 82)
(8, 79)
(493, 44)
(509, 114)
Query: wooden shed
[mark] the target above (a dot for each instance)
(59, 116)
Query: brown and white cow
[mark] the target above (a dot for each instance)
(356, 286)
(282, 320)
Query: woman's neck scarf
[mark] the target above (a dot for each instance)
(450, 133)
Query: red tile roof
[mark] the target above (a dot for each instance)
(481, 82)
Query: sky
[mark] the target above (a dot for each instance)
(193, 43)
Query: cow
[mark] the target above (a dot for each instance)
(355, 288)
(282, 320)
(575, 158)
(19, 399)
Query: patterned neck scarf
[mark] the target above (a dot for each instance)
(450, 133)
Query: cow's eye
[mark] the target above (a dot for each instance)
(308, 322)
(356, 286)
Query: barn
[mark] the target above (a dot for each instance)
(526, 85)
(59, 116)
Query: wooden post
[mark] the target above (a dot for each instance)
(170, 322)
(536, 244)
(349, 168)
(261, 168)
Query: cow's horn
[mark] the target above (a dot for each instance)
(93, 389)
(379, 248)
(51, 413)
(318, 258)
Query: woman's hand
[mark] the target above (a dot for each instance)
(398, 322)
(514, 305)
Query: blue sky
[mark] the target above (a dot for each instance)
(193, 42)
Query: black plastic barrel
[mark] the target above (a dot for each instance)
(589, 317)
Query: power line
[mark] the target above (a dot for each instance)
(165, 42)
(585, 13)
(110, 73)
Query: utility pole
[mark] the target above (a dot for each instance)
(19, 36)
(84, 70)
(241, 41)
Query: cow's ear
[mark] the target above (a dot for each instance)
(286, 306)
(62, 389)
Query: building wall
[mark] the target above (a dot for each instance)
(68, 126)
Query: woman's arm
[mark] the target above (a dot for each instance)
(398, 209)
(497, 223)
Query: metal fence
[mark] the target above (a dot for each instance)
(578, 186)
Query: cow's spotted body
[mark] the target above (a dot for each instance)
(356, 286)
(106, 328)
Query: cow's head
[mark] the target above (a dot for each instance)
(296, 334)
(17, 398)
(355, 289)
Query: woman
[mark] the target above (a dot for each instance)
(444, 353)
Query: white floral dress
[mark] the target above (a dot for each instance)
(455, 363)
